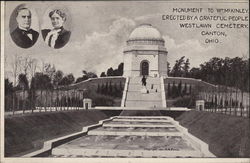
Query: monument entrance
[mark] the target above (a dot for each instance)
(144, 68)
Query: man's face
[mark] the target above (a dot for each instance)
(24, 18)
(57, 21)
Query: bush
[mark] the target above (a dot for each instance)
(184, 102)
(100, 100)
(8, 103)
(103, 101)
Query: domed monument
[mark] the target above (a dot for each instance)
(145, 53)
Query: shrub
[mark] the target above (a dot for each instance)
(186, 101)
(100, 100)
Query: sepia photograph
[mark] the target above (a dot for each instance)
(56, 36)
(128, 81)
(22, 20)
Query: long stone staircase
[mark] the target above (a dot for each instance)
(135, 137)
(136, 98)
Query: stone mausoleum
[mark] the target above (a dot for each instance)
(145, 53)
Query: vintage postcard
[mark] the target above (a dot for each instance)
(129, 81)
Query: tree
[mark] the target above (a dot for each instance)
(229, 71)
(179, 92)
(174, 90)
(49, 69)
(184, 92)
(186, 68)
(103, 74)
(177, 69)
(28, 67)
(169, 68)
(91, 75)
(42, 81)
(106, 88)
(15, 68)
(86, 76)
(120, 69)
(67, 80)
(114, 72)
(57, 78)
(23, 82)
(169, 90)
(110, 72)
(121, 86)
(33, 67)
(8, 87)
(110, 88)
(103, 91)
(71, 78)
(116, 91)
(98, 89)
(195, 73)
(190, 89)
(80, 79)
(8, 95)
(24, 85)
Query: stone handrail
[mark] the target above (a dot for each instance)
(163, 95)
(124, 95)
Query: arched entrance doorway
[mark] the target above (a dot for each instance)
(144, 68)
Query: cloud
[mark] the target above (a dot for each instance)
(149, 16)
(191, 49)
(98, 51)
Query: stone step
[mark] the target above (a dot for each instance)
(134, 133)
(137, 122)
(111, 153)
(148, 81)
(135, 96)
(143, 117)
(130, 103)
(140, 91)
(139, 87)
(141, 129)
(127, 146)
(136, 125)
(140, 120)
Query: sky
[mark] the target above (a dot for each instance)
(99, 31)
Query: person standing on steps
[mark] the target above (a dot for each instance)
(143, 80)
(144, 83)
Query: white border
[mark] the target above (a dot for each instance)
(97, 160)
(2, 82)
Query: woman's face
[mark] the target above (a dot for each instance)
(57, 21)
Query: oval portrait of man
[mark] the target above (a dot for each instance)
(56, 27)
(24, 26)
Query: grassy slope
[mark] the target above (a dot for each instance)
(24, 134)
(227, 136)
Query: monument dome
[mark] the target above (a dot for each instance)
(145, 32)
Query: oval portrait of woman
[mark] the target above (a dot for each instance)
(24, 26)
(55, 28)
